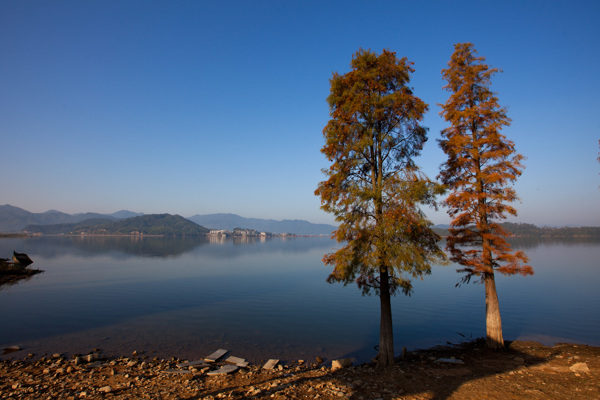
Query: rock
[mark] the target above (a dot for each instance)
(319, 360)
(105, 389)
(341, 363)
(579, 367)
(11, 349)
(519, 359)
(177, 371)
(95, 364)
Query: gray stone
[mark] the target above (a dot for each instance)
(224, 370)
(198, 363)
(240, 362)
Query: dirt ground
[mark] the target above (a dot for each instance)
(527, 370)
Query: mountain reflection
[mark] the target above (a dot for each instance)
(162, 247)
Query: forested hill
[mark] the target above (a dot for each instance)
(530, 230)
(152, 224)
(15, 219)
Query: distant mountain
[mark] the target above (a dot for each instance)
(231, 221)
(14, 219)
(152, 224)
(123, 214)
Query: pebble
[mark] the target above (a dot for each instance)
(105, 389)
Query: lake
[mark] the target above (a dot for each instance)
(260, 299)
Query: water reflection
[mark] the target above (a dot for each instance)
(162, 247)
(268, 298)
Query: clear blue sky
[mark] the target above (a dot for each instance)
(197, 107)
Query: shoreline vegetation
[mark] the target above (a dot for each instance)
(519, 230)
(524, 230)
(526, 370)
(18, 223)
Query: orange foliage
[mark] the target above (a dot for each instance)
(374, 187)
(481, 166)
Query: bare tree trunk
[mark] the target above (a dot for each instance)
(493, 322)
(385, 357)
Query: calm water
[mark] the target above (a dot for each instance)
(269, 299)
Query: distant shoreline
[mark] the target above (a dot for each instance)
(28, 235)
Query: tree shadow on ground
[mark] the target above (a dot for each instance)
(439, 372)
(426, 374)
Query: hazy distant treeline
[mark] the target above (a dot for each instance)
(530, 230)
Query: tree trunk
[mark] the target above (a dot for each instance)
(385, 357)
(493, 322)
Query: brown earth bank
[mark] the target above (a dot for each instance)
(526, 370)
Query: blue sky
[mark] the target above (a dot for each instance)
(197, 107)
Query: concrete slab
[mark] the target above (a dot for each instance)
(216, 355)
(225, 369)
(270, 364)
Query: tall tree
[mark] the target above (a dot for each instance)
(482, 165)
(374, 187)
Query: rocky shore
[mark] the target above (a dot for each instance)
(527, 370)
